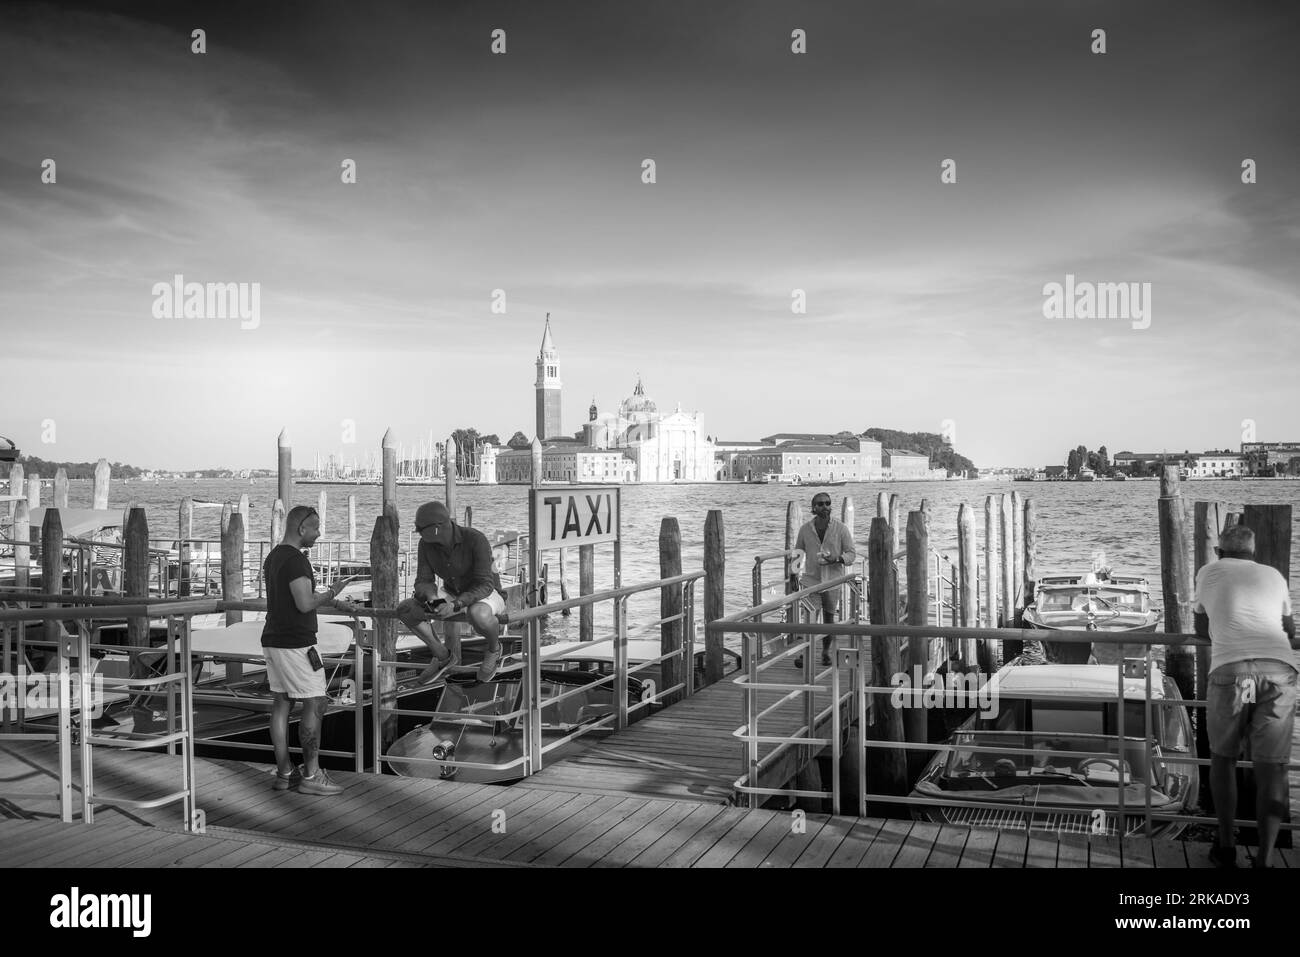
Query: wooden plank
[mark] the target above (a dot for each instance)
(948, 846)
(855, 844)
(917, 846)
(654, 855)
(733, 842)
(558, 832)
(396, 824)
(645, 836)
(823, 845)
(477, 822)
(422, 830)
(1072, 850)
(792, 846)
(1137, 852)
(390, 810)
(1040, 851)
(981, 845)
(1011, 849)
(1169, 854)
(889, 841)
(64, 846)
(702, 840)
(175, 847)
(1103, 851)
(523, 828)
(761, 846)
(584, 855)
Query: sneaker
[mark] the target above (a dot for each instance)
(798, 662)
(826, 659)
(1223, 857)
(287, 782)
(437, 669)
(319, 783)
(489, 666)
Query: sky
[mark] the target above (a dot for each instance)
(523, 172)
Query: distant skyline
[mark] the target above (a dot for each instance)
(523, 172)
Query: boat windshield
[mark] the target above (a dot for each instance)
(1104, 763)
(1092, 598)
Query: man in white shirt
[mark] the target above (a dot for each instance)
(829, 552)
(1244, 608)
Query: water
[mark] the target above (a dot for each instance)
(1075, 519)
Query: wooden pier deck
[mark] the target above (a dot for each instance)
(688, 751)
(386, 821)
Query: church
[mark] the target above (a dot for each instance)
(637, 443)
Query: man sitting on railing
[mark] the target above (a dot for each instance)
(828, 546)
(1244, 608)
(462, 558)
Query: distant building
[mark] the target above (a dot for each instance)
(727, 453)
(1271, 458)
(901, 465)
(1125, 461)
(565, 462)
(1217, 465)
(849, 461)
(548, 387)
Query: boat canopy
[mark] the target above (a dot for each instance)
(1072, 681)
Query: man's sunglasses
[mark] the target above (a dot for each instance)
(821, 504)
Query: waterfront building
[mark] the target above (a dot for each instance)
(1151, 461)
(850, 460)
(664, 448)
(901, 465)
(1217, 465)
(1271, 458)
(565, 462)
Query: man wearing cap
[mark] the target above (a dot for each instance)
(462, 558)
(1244, 608)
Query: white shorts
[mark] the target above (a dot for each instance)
(290, 673)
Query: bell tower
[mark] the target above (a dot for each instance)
(548, 387)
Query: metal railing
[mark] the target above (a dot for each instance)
(175, 683)
(855, 653)
(529, 715)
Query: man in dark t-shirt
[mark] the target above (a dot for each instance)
(293, 665)
(462, 558)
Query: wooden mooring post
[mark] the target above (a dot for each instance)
(974, 650)
(384, 594)
(1176, 580)
(449, 476)
(886, 767)
(277, 522)
(284, 468)
(1018, 556)
(1029, 568)
(99, 492)
(1011, 647)
(135, 573)
(185, 532)
(564, 580)
(918, 649)
(586, 586)
(52, 563)
(671, 633)
(793, 514)
(352, 525)
(17, 482)
(61, 488)
(1208, 519)
(715, 585)
(388, 460)
(991, 572)
(322, 501)
(232, 579)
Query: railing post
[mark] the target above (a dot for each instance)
(670, 606)
(620, 663)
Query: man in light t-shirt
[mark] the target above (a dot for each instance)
(1244, 608)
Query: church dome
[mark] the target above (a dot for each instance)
(638, 402)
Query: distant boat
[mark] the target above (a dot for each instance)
(781, 478)
(1086, 475)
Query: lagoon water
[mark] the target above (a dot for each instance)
(1075, 519)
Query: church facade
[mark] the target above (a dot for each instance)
(637, 443)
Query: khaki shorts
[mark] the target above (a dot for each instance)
(1255, 701)
(290, 673)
